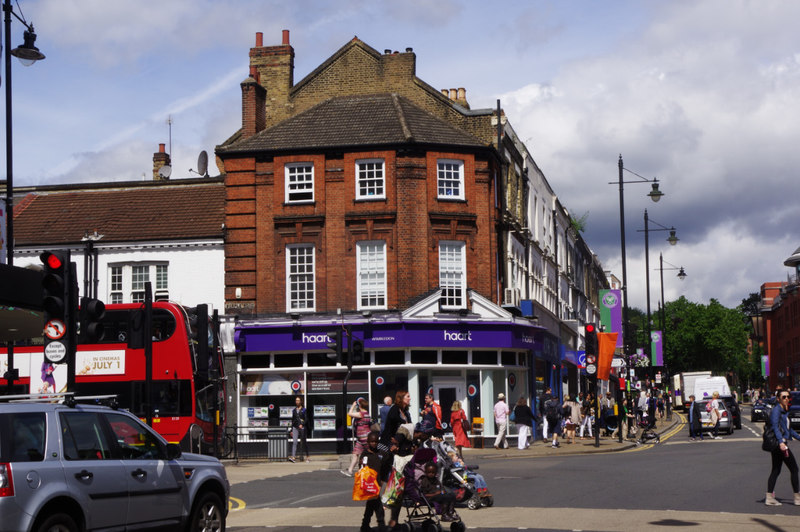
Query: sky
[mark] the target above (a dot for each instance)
(702, 95)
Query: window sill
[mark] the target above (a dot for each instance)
(451, 199)
(368, 199)
(304, 202)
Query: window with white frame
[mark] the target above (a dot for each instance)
(300, 277)
(127, 281)
(370, 182)
(452, 274)
(299, 182)
(371, 260)
(450, 181)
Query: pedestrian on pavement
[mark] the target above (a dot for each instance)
(779, 419)
(398, 414)
(572, 417)
(546, 396)
(380, 463)
(523, 417)
(384, 410)
(458, 421)
(501, 412)
(695, 427)
(361, 429)
(608, 415)
(715, 415)
(660, 405)
(552, 412)
(587, 416)
(430, 424)
(299, 429)
(626, 419)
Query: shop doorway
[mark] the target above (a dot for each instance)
(445, 391)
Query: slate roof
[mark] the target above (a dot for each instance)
(357, 121)
(129, 212)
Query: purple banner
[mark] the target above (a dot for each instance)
(611, 312)
(466, 335)
(656, 348)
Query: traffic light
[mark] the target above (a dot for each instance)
(91, 313)
(591, 339)
(57, 299)
(357, 355)
(335, 344)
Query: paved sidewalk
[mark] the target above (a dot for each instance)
(248, 470)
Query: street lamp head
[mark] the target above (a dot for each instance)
(27, 53)
(681, 274)
(655, 194)
(672, 238)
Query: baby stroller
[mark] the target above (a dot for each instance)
(648, 433)
(421, 514)
(461, 478)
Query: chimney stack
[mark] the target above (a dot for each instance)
(160, 160)
(274, 73)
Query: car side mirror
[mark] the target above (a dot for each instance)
(173, 451)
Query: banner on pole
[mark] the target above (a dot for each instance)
(611, 312)
(656, 348)
(606, 343)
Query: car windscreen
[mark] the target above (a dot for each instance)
(22, 436)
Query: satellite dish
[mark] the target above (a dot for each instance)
(202, 163)
(165, 171)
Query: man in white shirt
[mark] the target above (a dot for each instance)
(501, 412)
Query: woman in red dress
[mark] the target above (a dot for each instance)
(457, 420)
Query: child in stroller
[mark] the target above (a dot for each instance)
(425, 496)
(475, 482)
(647, 433)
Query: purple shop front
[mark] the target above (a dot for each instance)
(398, 335)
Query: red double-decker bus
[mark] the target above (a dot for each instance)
(187, 391)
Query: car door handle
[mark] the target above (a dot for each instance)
(84, 475)
(138, 473)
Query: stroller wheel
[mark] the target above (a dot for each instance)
(429, 525)
(458, 526)
(489, 500)
(474, 502)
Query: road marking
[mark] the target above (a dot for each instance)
(240, 504)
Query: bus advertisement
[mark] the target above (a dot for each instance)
(187, 394)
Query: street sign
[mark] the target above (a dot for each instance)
(55, 329)
(55, 352)
(591, 369)
(590, 359)
(617, 362)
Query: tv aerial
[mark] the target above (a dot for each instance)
(202, 164)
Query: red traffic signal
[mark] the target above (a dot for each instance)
(590, 328)
(51, 260)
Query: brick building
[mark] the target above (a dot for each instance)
(362, 197)
(780, 312)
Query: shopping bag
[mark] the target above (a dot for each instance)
(365, 484)
(395, 486)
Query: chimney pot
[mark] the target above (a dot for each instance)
(161, 148)
(387, 51)
(286, 37)
(462, 93)
(259, 39)
(409, 50)
(453, 94)
(445, 92)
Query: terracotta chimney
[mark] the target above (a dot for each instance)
(453, 94)
(160, 160)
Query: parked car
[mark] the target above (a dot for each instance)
(760, 409)
(733, 407)
(725, 420)
(794, 410)
(72, 467)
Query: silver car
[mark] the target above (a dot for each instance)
(725, 420)
(74, 468)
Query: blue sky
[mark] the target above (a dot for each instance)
(703, 95)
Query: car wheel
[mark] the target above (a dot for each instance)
(58, 523)
(207, 514)
(730, 431)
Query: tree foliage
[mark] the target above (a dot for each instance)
(706, 337)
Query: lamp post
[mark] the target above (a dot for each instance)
(672, 241)
(28, 54)
(681, 275)
(655, 195)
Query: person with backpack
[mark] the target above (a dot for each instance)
(552, 413)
